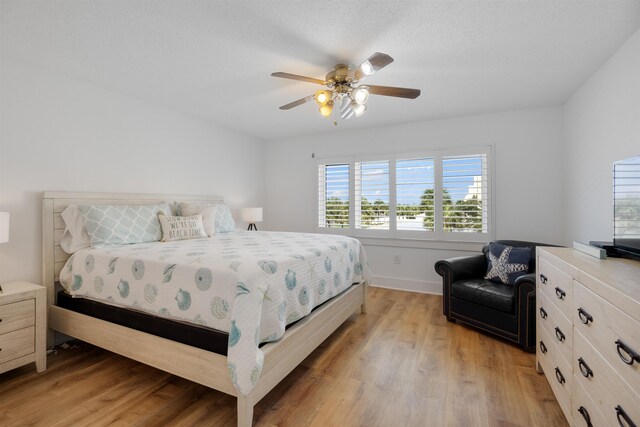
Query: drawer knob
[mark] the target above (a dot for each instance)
(585, 414)
(626, 353)
(623, 416)
(559, 376)
(584, 316)
(560, 293)
(543, 313)
(543, 348)
(560, 334)
(585, 370)
(543, 278)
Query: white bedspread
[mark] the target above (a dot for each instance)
(248, 284)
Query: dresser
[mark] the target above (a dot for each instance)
(23, 328)
(588, 335)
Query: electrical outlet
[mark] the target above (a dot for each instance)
(396, 259)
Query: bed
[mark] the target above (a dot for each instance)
(209, 368)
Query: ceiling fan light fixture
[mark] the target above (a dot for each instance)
(366, 68)
(358, 109)
(360, 94)
(326, 109)
(323, 97)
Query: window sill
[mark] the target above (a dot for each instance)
(421, 244)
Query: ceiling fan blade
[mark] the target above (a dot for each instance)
(373, 63)
(400, 92)
(297, 77)
(298, 102)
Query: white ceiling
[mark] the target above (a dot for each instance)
(213, 59)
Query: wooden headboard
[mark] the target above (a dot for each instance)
(54, 202)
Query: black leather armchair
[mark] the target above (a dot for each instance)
(504, 310)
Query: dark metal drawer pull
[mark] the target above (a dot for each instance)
(629, 356)
(584, 316)
(622, 415)
(543, 313)
(584, 368)
(543, 278)
(543, 348)
(560, 293)
(559, 376)
(560, 334)
(585, 414)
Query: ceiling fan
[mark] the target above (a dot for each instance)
(344, 89)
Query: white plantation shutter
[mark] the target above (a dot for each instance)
(626, 202)
(465, 194)
(372, 195)
(415, 183)
(333, 196)
(440, 195)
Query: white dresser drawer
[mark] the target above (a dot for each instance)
(558, 326)
(557, 370)
(17, 315)
(556, 285)
(606, 388)
(613, 333)
(584, 410)
(17, 343)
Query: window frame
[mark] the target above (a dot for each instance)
(393, 233)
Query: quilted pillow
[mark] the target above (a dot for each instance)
(109, 225)
(208, 214)
(223, 219)
(181, 227)
(507, 263)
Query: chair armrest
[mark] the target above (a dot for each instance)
(527, 278)
(462, 268)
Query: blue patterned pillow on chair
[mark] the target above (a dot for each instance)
(507, 263)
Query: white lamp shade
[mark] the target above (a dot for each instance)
(251, 215)
(4, 227)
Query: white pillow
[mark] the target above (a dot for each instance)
(75, 236)
(181, 227)
(208, 213)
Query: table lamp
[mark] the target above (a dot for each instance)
(4, 230)
(252, 215)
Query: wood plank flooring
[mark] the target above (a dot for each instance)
(401, 364)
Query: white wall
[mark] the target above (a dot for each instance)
(529, 174)
(602, 125)
(59, 134)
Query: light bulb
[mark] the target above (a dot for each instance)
(323, 96)
(366, 68)
(326, 109)
(360, 94)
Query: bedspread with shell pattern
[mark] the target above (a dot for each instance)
(248, 284)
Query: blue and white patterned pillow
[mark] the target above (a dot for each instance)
(507, 263)
(223, 220)
(109, 225)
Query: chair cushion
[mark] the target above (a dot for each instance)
(485, 292)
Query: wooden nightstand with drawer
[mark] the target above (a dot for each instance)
(23, 327)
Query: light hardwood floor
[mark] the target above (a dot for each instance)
(401, 364)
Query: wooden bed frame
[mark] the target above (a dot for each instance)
(194, 364)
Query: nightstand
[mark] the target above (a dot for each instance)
(23, 326)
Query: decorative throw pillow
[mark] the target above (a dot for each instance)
(181, 227)
(507, 263)
(75, 236)
(208, 213)
(223, 219)
(123, 224)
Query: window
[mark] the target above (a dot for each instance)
(442, 195)
(334, 196)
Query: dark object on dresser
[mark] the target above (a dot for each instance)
(504, 310)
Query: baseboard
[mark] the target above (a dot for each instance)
(411, 285)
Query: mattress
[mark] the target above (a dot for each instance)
(249, 285)
(182, 332)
